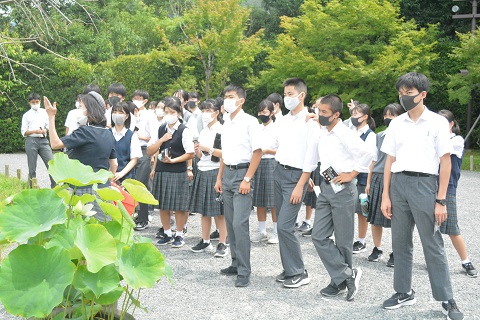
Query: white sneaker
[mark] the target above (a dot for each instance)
(259, 237)
(273, 239)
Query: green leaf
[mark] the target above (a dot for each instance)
(97, 246)
(112, 211)
(32, 211)
(64, 238)
(110, 297)
(125, 214)
(139, 192)
(101, 282)
(141, 265)
(141, 239)
(33, 279)
(108, 194)
(73, 172)
(115, 228)
(136, 302)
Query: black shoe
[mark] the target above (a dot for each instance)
(304, 227)
(297, 281)
(353, 282)
(450, 309)
(202, 247)
(242, 281)
(391, 261)
(229, 271)
(215, 235)
(359, 247)
(160, 233)
(165, 240)
(376, 254)
(333, 290)
(470, 269)
(185, 230)
(307, 233)
(222, 250)
(281, 277)
(400, 300)
(141, 226)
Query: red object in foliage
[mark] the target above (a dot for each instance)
(127, 201)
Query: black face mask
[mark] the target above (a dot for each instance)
(408, 103)
(325, 121)
(356, 122)
(191, 105)
(264, 118)
(387, 121)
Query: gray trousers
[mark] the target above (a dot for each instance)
(413, 203)
(285, 181)
(142, 174)
(334, 215)
(35, 147)
(237, 208)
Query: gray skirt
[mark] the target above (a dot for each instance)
(171, 190)
(450, 226)
(263, 195)
(310, 197)
(202, 198)
(375, 215)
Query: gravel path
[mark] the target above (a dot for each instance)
(200, 292)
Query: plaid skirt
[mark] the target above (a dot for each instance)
(450, 226)
(202, 198)
(171, 190)
(310, 197)
(375, 215)
(263, 195)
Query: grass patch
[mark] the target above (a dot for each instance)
(10, 186)
(476, 160)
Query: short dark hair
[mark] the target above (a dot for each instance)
(92, 87)
(394, 109)
(276, 98)
(131, 107)
(140, 93)
(182, 93)
(193, 95)
(239, 90)
(33, 96)
(95, 112)
(123, 107)
(210, 104)
(334, 101)
(413, 80)
(267, 104)
(365, 110)
(117, 88)
(297, 83)
(174, 104)
(450, 118)
(152, 104)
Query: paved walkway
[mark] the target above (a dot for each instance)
(200, 292)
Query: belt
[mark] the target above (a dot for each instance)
(284, 166)
(238, 166)
(416, 174)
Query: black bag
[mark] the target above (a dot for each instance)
(217, 144)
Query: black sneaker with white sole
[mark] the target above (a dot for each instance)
(470, 269)
(297, 281)
(376, 255)
(202, 247)
(140, 226)
(160, 233)
(215, 235)
(353, 283)
(399, 300)
(307, 233)
(281, 277)
(451, 310)
(304, 227)
(359, 247)
(222, 250)
(391, 261)
(333, 290)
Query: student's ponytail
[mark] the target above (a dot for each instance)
(447, 114)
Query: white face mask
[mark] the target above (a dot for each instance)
(35, 106)
(291, 103)
(77, 104)
(119, 119)
(207, 118)
(82, 119)
(159, 112)
(170, 118)
(229, 105)
(138, 103)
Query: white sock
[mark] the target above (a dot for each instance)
(179, 233)
(262, 226)
(168, 232)
(466, 261)
(379, 248)
(307, 221)
(275, 227)
(409, 292)
(206, 241)
(362, 240)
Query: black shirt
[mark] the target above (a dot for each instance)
(92, 146)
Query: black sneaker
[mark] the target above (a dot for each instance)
(304, 227)
(359, 247)
(376, 254)
(297, 281)
(307, 233)
(229, 271)
(470, 269)
(281, 277)
(450, 309)
(178, 242)
(400, 300)
(185, 230)
(160, 233)
(242, 281)
(202, 247)
(353, 282)
(391, 261)
(333, 290)
(141, 226)
(215, 235)
(222, 250)
(164, 240)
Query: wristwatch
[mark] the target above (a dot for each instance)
(247, 179)
(190, 168)
(442, 202)
(211, 151)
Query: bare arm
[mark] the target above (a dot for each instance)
(113, 165)
(55, 141)
(444, 177)
(386, 206)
